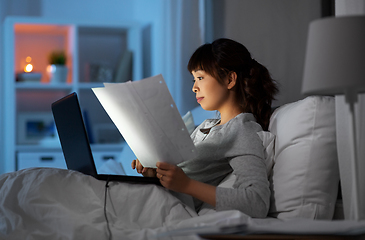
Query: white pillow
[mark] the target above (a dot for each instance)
(305, 176)
(268, 141)
(189, 122)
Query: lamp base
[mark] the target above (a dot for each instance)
(353, 194)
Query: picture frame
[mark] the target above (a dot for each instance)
(36, 128)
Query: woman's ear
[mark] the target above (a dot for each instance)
(232, 79)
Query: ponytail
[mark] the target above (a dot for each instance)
(256, 92)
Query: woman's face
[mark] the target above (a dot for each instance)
(210, 94)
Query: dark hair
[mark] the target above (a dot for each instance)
(255, 89)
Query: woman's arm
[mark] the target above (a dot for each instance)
(251, 191)
(174, 178)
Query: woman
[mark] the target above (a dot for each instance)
(228, 80)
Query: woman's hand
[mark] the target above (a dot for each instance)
(172, 177)
(146, 172)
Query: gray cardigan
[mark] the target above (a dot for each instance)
(234, 146)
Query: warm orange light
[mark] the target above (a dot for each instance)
(28, 68)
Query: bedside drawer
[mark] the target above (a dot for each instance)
(40, 159)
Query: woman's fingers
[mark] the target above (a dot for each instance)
(149, 172)
(171, 176)
(163, 167)
(146, 172)
(136, 164)
(133, 164)
(139, 167)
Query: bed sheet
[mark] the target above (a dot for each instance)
(45, 203)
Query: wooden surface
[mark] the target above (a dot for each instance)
(281, 237)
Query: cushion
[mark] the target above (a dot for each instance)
(268, 141)
(189, 122)
(305, 175)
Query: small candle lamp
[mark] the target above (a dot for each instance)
(29, 66)
(28, 75)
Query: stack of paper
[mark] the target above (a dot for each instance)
(146, 115)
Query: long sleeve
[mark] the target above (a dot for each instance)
(250, 193)
(232, 147)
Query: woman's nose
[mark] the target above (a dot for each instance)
(195, 88)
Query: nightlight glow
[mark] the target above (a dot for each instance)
(29, 66)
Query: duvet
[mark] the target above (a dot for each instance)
(45, 203)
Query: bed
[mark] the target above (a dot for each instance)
(45, 203)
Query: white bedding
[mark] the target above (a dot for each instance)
(44, 203)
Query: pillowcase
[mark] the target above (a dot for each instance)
(305, 178)
(189, 122)
(268, 141)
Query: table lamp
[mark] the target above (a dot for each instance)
(335, 65)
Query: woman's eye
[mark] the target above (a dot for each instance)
(199, 78)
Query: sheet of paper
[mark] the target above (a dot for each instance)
(146, 115)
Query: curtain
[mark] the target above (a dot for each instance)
(182, 36)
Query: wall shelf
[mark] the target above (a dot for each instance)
(89, 46)
(42, 86)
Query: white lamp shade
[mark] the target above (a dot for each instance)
(335, 57)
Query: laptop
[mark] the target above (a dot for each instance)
(75, 142)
